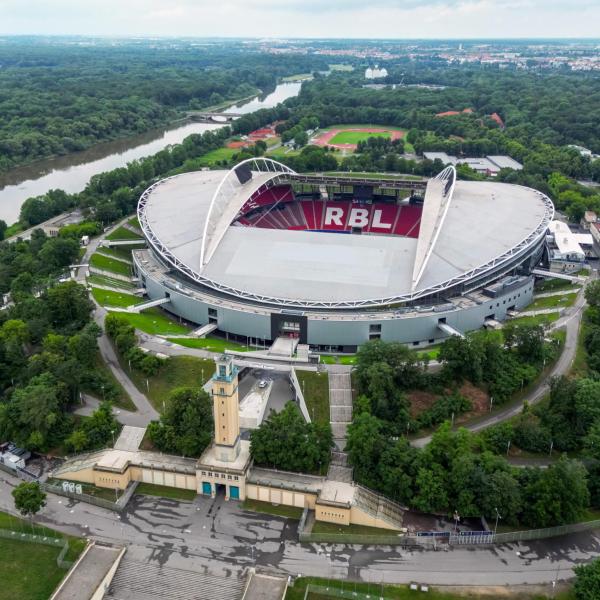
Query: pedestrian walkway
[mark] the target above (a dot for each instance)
(340, 415)
(130, 438)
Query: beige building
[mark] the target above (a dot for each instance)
(225, 467)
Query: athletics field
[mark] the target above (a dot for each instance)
(347, 137)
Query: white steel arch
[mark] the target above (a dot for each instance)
(435, 208)
(229, 198)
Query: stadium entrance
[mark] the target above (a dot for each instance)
(289, 325)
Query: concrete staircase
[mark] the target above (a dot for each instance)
(143, 581)
(340, 415)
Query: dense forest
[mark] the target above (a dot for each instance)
(57, 98)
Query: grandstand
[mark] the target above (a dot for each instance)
(261, 251)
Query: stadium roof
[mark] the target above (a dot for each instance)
(480, 226)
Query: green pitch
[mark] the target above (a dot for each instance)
(353, 137)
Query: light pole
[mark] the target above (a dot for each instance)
(491, 403)
(112, 431)
(456, 520)
(497, 517)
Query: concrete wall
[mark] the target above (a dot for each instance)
(360, 517)
(416, 330)
(278, 496)
(333, 514)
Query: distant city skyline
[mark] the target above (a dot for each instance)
(368, 19)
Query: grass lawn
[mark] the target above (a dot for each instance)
(552, 285)
(104, 280)
(315, 388)
(580, 365)
(338, 359)
(110, 264)
(155, 321)
(123, 401)
(544, 320)
(212, 344)
(121, 233)
(122, 252)
(28, 571)
(212, 157)
(322, 527)
(149, 489)
(134, 222)
(341, 67)
(432, 352)
(177, 371)
(110, 298)
(353, 137)
(291, 512)
(552, 302)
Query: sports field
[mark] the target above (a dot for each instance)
(346, 137)
(353, 137)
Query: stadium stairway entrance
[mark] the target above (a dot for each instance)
(284, 346)
(340, 415)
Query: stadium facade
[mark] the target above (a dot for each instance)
(261, 252)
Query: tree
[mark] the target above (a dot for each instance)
(29, 498)
(186, 425)
(587, 583)
(285, 441)
(68, 305)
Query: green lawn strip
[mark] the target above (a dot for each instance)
(431, 352)
(122, 252)
(338, 359)
(122, 233)
(149, 489)
(341, 67)
(377, 590)
(110, 298)
(212, 344)
(334, 528)
(123, 401)
(315, 388)
(353, 137)
(552, 302)
(94, 279)
(552, 285)
(580, 366)
(154, 321)
(134, 222)
(110, 264)
(177, 371)
(28, 571)
(544, 320)
(214, 156)
(279, 510)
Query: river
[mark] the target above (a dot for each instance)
(72, 171)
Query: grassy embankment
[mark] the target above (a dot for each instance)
(163, 491)
(279, 510)
(316, 393)
(212, 344)
(178, 371)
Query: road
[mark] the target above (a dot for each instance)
(218, 537)
(145, 410)
(571, 321)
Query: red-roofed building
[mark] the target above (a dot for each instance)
(453, 113)
(498, 119)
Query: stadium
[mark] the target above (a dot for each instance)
(259, 253)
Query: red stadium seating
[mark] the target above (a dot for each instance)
(274, 209)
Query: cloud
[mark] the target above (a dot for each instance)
(304, 18)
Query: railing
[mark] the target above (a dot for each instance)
(548, 532)
(300, 396)
(101, 502)
(369, 540)
(57, 542)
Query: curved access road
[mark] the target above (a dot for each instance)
(571, 321)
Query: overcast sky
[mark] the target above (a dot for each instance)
(304, 18)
